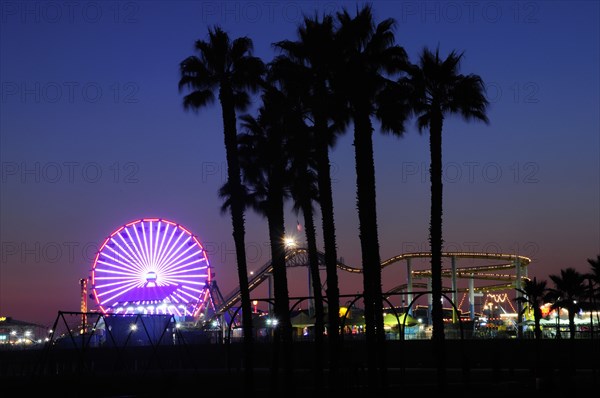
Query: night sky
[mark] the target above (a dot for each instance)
(94, 135)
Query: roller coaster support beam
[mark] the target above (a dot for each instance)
(471, 298)
(454, 289)
(409, 284)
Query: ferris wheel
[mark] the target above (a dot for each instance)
(151, 266)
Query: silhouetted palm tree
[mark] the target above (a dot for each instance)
(534, 295)
(595, 273)
(227, 67)
(300, 151)
(313, 58)
(594, 278)
(568, 292)
(436, 90)
(369, 55)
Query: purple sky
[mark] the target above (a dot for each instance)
(93, 135)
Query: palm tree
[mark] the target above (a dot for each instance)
(369, 54)
(437, 89)
(594, 279)
(300, 151)
(228, 67)
(264, 168)
(313, 58)
(595, 272)
(568, 292)
(534, 296)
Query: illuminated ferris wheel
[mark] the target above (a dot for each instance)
(151, 266)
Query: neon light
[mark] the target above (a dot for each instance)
(185, 230)
(117, 231)
(104, 244)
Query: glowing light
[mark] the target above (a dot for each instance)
(151, 265)
(289, 242)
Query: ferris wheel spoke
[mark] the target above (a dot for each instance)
(126, 269)
(148, 243)
(117, 285)
(183, 292)
(131, 253)
(114, 287)
(123, 264)
(121, 292)
(196, 291)
(182, 298)
(168, 268)
(180, 281)
(187, 279)
(164, 247)
(155, 247)
(172, 250)
(137, 249)
(150, 247)
(175, 250)
(108, 274)
(174, 261)
(185, 271)
(141, 246)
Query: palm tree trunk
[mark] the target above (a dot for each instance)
(329, 240)
(317, 294)
(572, 328)
(435, 238)
(537, 315)
(283, 331)
(371, 261)
(237, 221)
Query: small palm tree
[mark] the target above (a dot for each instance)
(227, 67)
(568, 292)
(594, 287)
(534, 296)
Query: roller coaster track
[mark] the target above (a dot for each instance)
(298, 257)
